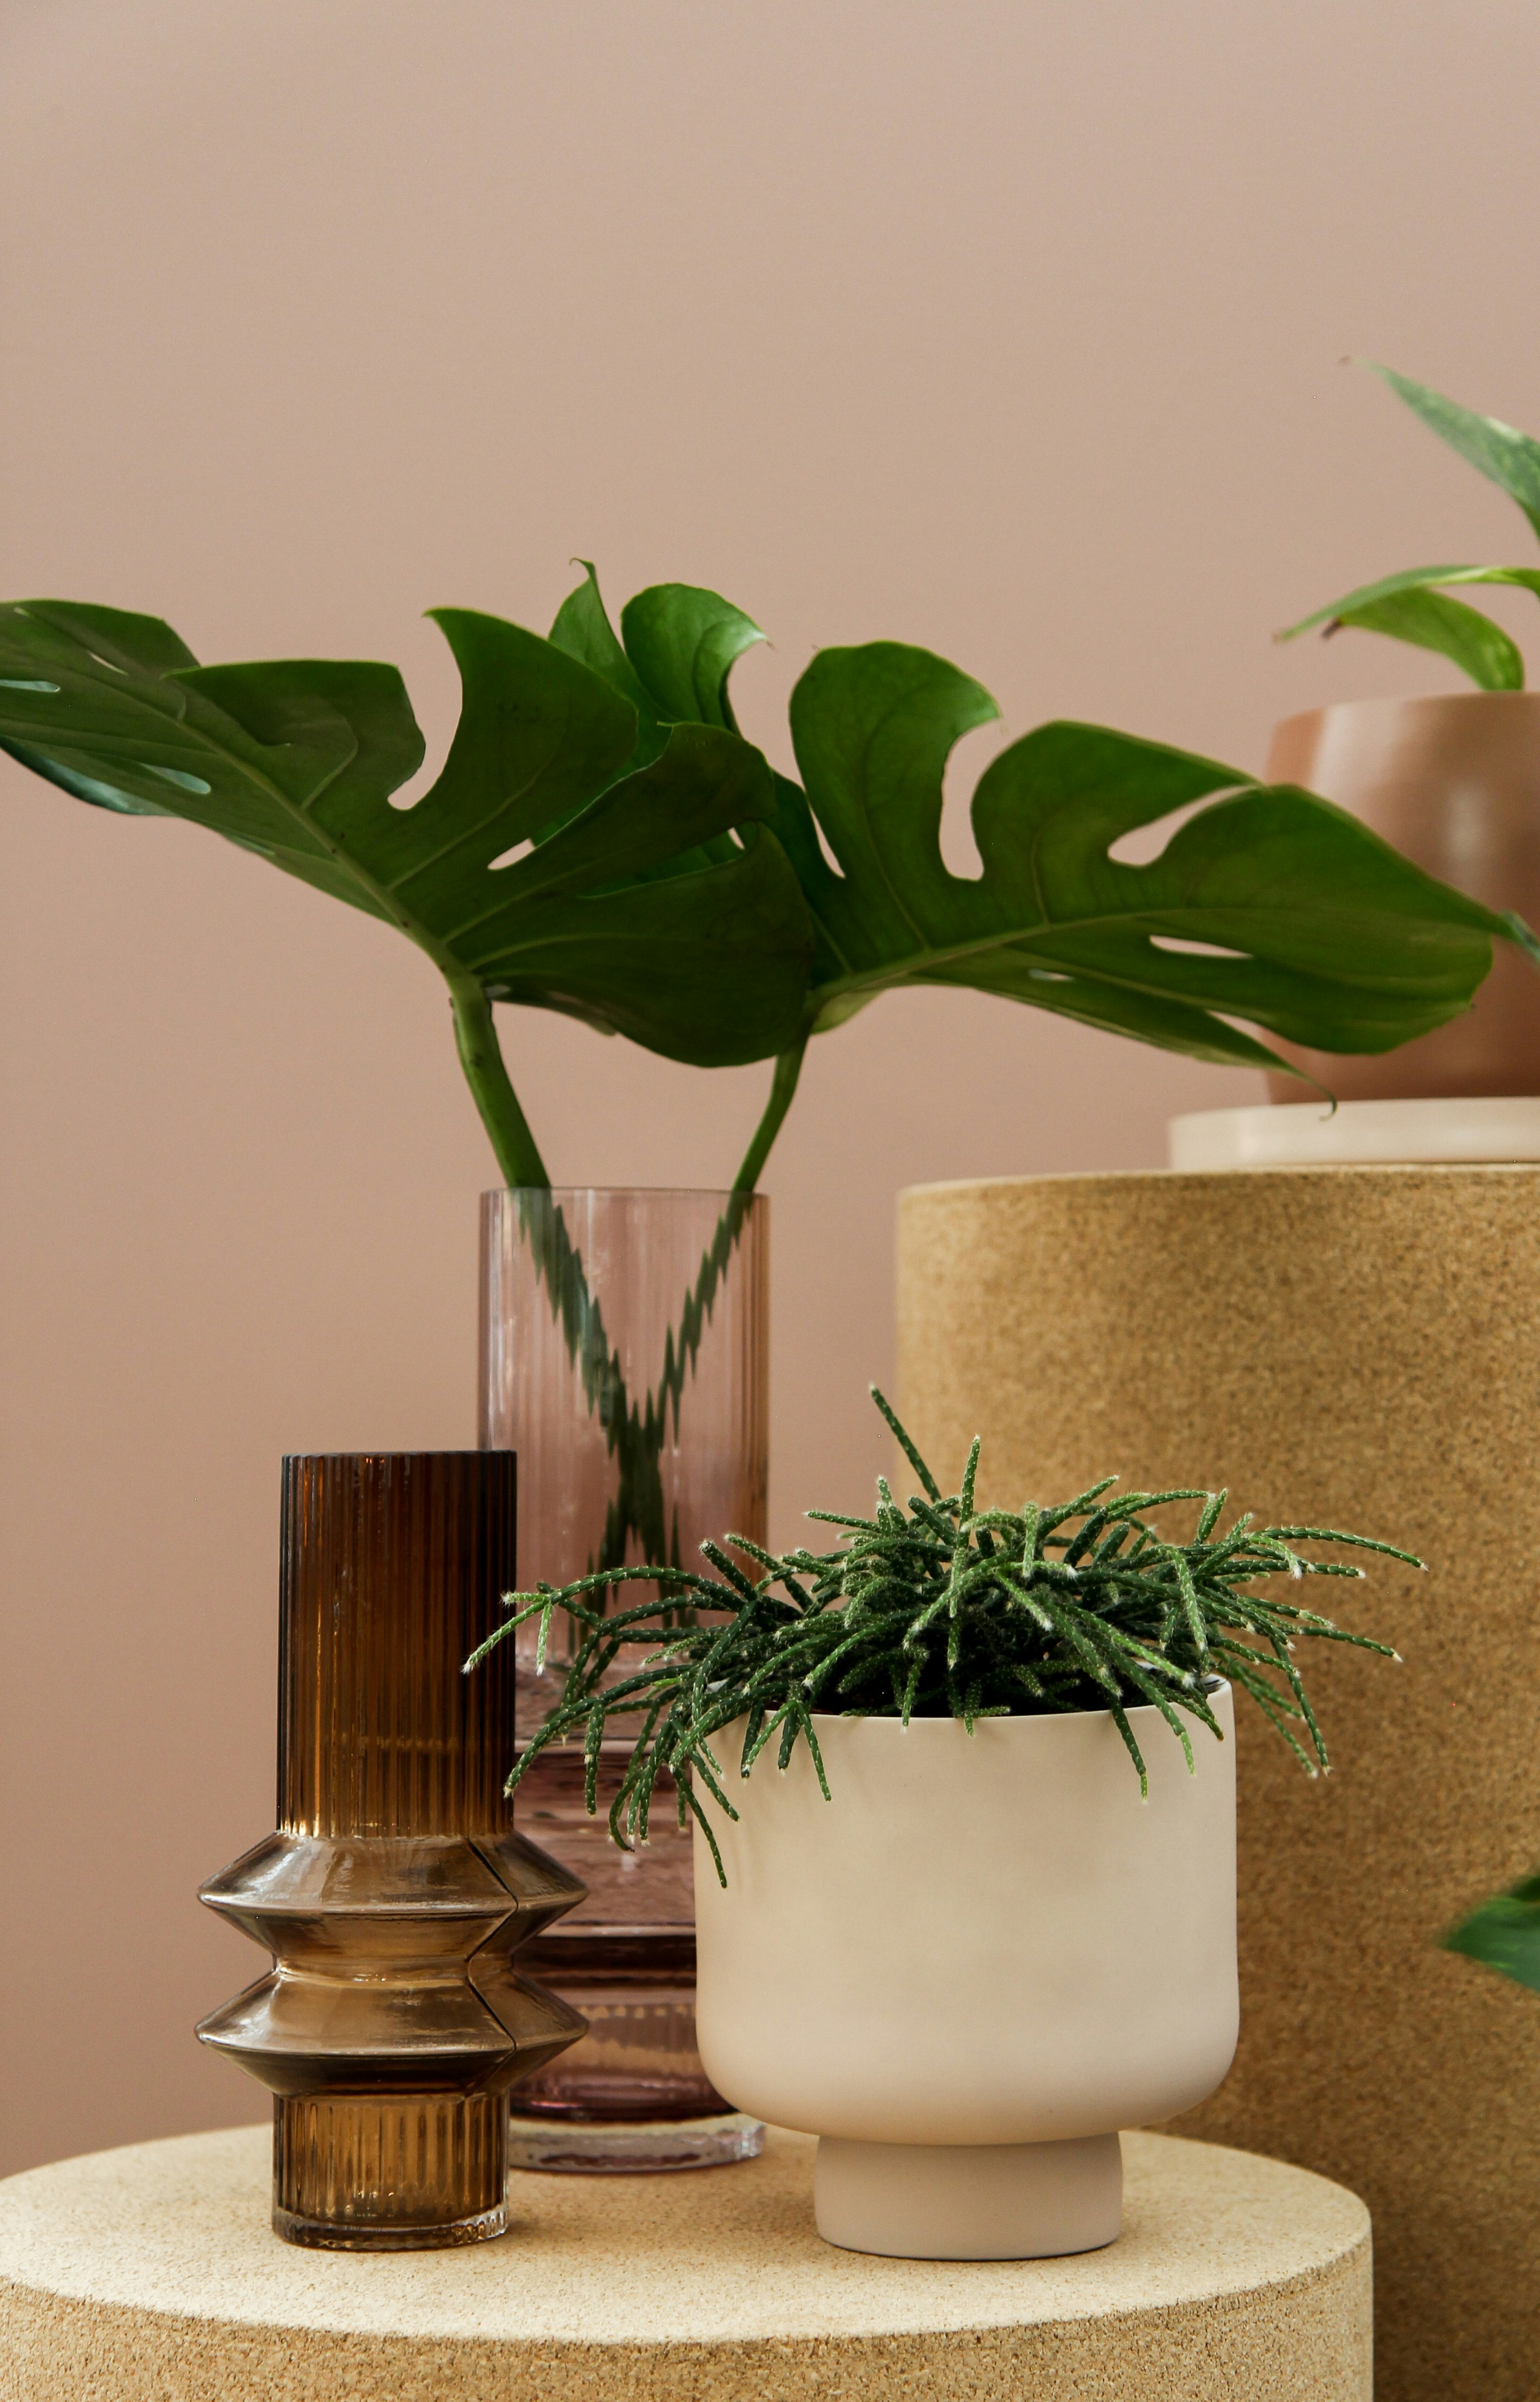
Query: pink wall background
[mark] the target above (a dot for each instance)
(1008, 327)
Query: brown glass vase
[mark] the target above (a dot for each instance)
(394, 1893)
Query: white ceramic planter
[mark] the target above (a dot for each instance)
(971, 1966)
(1358, 1134)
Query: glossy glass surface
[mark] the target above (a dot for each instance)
(625, 1357)
(394, 1893)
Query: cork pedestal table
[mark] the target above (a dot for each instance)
(151, 2275)
(1343, 1346)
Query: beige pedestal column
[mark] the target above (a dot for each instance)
(1356, 1346)
(152, 2275)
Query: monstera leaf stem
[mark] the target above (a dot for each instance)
(508, 1129)
(783, 1085)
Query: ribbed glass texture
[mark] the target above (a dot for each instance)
(429, 2165)
(625, 1356)
(394, 1894)
(390, 1563)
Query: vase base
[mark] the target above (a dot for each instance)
(969, 2201)
(339, 2235)
(632, 2147)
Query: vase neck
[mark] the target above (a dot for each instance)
(393, 1569)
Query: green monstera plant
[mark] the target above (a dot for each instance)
(602, 841)
(1414, 606)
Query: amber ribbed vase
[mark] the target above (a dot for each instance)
(394, 1893)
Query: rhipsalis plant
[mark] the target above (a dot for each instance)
(1414, 606)
(936, 1610)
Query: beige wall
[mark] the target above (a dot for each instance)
(1008, 327)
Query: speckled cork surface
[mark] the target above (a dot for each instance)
(150, 2275)
(1357, 1347)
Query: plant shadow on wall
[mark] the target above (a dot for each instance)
(603, 842)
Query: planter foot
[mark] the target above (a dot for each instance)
(969, 2201)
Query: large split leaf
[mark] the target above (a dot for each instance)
(656, 880)
(1269, 905)
(647, 900)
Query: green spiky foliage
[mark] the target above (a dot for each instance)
(1415, 606)
(934, 1610)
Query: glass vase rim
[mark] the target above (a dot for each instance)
(631, 1192)
(378, 1452)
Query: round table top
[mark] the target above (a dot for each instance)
(156, 2262)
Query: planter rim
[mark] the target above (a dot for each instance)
(1525, 702)
(1016, 1718)
(1485, 1130)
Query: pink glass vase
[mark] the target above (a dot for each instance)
(625, 1358)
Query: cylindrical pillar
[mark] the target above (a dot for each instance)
(1357, 1348)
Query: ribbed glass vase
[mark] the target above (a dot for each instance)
(625, 1357)
(394, 1894)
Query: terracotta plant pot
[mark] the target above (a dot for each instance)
(1453, 781)
(971, 1966)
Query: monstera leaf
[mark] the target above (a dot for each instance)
(556, 862)
(603, 842)
(1414, 606)
(1269, 905)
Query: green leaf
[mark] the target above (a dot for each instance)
(1269, 905)
(1507, 457)
(680, 644)
(1504, 1934)
(683, 641)
(1475, 642)
(611, 917)
(1272, 907)
(1408, 608)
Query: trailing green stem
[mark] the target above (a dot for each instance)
(783, 1085)
(481, 1056)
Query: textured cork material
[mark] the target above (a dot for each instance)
(1357, 1347)
(151, 2276)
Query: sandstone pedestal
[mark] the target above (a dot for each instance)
(1351, 1347)
(151, 2276)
